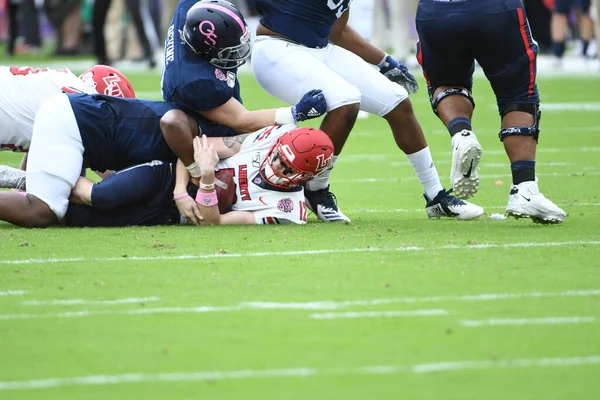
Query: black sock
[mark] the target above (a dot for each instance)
(459, 124)
(523, 171)
(558, 49)
(586, 44)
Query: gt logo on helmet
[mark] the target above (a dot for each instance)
(209, 32)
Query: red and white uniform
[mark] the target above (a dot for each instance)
(23, 91)
(270, 205)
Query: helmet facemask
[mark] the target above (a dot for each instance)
(234, 56)
(278, 169)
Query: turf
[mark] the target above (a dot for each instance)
(256, 312)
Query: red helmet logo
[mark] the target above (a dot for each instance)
(108, 80)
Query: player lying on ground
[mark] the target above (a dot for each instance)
(267, 174)
(113, 133)
(25, 89)
(496, 34)
(303, 44)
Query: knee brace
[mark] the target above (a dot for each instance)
(449, 92)
(532, 130)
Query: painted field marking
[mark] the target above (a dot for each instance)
(313, 305)
(406, 210)
(379, 314)
(302, 372)
(300, 253)
(12, 292)
(69, 302)
(484, 176)
(527, 321)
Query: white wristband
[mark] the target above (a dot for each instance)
(284, 116)
(207, 186)
(194, 170)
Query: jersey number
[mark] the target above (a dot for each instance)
(340, 5)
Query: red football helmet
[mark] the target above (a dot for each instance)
(108, 80)
(297, 157)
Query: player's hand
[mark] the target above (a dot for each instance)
(312, 105)
(205, 154)
(397, 72)
(189, 209)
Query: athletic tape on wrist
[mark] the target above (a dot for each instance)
(194, 170)
(207, 186)
(284, 116)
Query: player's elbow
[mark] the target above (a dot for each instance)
(177, 123)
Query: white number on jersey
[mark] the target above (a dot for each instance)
(340, 5)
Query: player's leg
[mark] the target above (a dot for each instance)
(512, 74)
(448, 65)
(287, 71)
(559, 27)
(389, 100)
(586, 25)
(54, 165)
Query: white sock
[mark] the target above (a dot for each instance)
(321, 181)
(425, 169)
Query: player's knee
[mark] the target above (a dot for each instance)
(520, 126)
(347, 96)
(436, 95)
(38, 215)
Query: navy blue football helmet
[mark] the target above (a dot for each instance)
(217, 31)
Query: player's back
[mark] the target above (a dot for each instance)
(270, 205)
(308, 22)
(120, 132)
(187, 78)
(24, 90)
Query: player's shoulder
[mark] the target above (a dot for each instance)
(267, 136)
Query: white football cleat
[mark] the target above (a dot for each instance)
(466, 154)
(12, 178)
(446, 205)
(526, 201)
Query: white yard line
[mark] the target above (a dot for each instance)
(527, 321)
(302, 372)
(407, 210)
(379, 314)
(299, 253)
(313, 305)
(12, 292)
(69, 302)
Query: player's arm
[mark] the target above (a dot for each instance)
(228, 146)
(345, 36)
(234, 115)
(186, 205)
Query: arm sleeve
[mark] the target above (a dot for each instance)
(131, 185)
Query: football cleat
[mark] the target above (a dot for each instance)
(12, 178)
(466, 154)
(526, 201)
(446, 205)
(324, 204)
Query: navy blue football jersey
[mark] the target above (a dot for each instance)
(308, 22)
(120, 132)
(138, 195)
(188, 79)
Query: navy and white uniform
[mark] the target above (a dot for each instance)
(305, 59)
(496, 33)
(191, 81)
(109, 132)
(137, 195)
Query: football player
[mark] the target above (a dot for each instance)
(560, 26)
(452, 35)
(303, 44)
(24, 89)
(268, 172)
(205, 44)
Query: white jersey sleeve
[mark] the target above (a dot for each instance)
(269, 205)
(24, 90)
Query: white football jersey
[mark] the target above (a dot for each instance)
(24, 89)
(269, 204)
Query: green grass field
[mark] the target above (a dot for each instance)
(391, 306)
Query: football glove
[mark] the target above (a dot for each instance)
(312, 105)
(397, 72)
